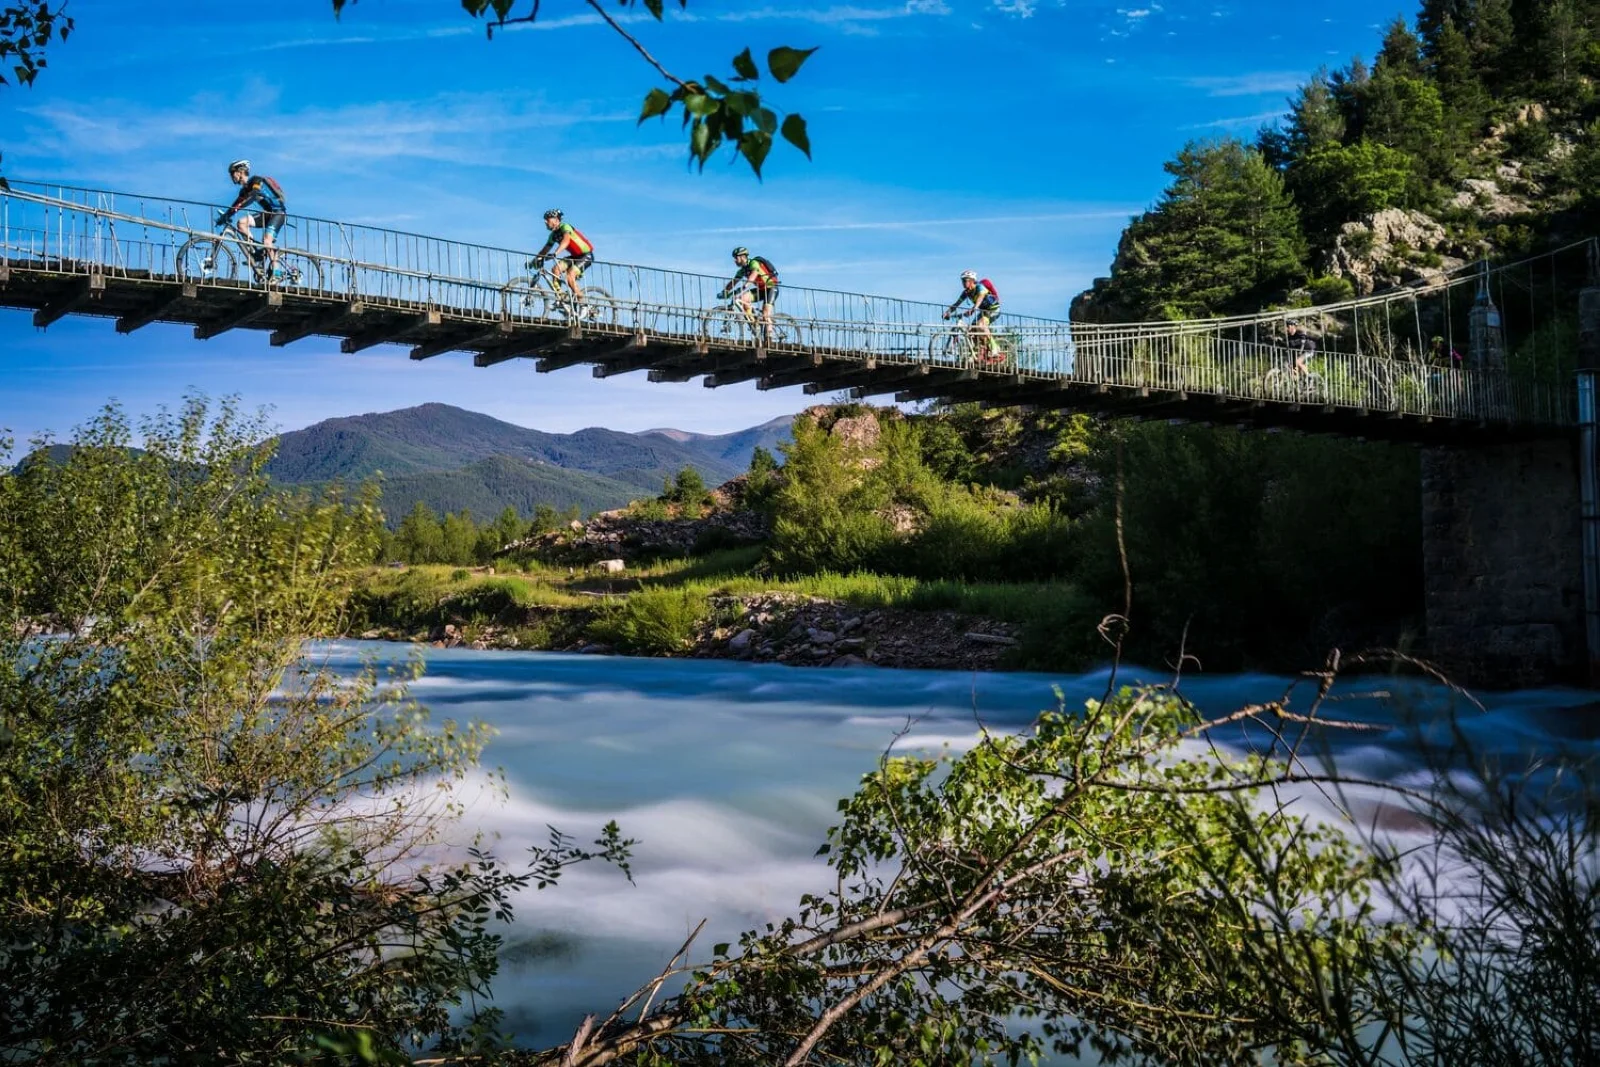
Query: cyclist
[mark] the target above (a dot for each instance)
(985, 309)
(564, 237)
(266, 195)
(1301, 346)
(760, 280)
(1443, 355)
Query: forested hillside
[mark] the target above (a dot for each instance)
(1474, 133)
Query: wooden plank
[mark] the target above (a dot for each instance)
(69, 300)
(138, 320)
(241, 316)
(324, 321)
(389, 332)
(480, 339)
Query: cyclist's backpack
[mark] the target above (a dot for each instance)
(277, 190)
(994, 294)
(766, 265)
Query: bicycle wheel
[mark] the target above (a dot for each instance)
(598, 307)
(784, 332)
(1313, 388)
(951, 346)
(299, 271)
(207, 259)
(1275, 384)
(528, 298)
(724, 325)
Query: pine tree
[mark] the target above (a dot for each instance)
(1407, 114)
(1224, 232)
(1492, 35)
(1465, 99)
(1431, 21)
(1315, 118)
(1401, 55)
(1561, 40)
(1349, 87)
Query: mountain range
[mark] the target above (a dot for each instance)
(453, 459)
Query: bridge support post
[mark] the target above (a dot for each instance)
(1588, 382)
(1502, 564)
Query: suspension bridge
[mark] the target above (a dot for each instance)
(140, 260)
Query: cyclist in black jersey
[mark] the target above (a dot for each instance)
(266, 195)
(1301, 346)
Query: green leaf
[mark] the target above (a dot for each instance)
(656, 102)
(766, 121)
(754, 146)
(716, 86)
(745, 66)
(720, 948)
(502, 8)
(699, 104)
(654, 7)
(784, 63)
(700, 141)
(794, 131)
(741, 103)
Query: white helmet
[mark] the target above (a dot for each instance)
(966, 274)
(236, 164)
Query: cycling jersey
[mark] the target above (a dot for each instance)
(577, 244)
(984, 296)
(759, 272)
(263, 191)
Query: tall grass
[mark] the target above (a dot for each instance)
(652, 622)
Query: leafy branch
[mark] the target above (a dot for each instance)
(716, 112)
(26, 30)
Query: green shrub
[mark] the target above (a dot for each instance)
(1330, 289)
(655, 622)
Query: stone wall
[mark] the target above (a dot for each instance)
(1503, 564)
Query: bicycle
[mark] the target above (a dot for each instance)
(1297, 386)
(737, 322)
(217, 258)
(959, 346)
(544, 296)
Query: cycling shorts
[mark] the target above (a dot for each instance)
(268, 222)
(767, 294)
(576, 265)
(987, 315)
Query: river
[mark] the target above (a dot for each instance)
(728, 773)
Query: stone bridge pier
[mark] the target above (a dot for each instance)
(1510, 545)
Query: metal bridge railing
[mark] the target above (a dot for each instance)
(71, 230)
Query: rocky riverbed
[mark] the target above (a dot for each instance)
(772, 628)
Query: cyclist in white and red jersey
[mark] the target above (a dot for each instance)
(985, 309)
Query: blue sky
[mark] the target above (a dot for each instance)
(1014, 137)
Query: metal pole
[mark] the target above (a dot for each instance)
(1589, 478)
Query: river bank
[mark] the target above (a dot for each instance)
(766, 627)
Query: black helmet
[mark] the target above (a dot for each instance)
(740, 251)
(553, 213)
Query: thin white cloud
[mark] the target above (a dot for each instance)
(1236, 121)
(1258, 83)
(914, 224)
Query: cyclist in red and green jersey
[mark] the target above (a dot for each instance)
(760, 279)
(564, 237)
